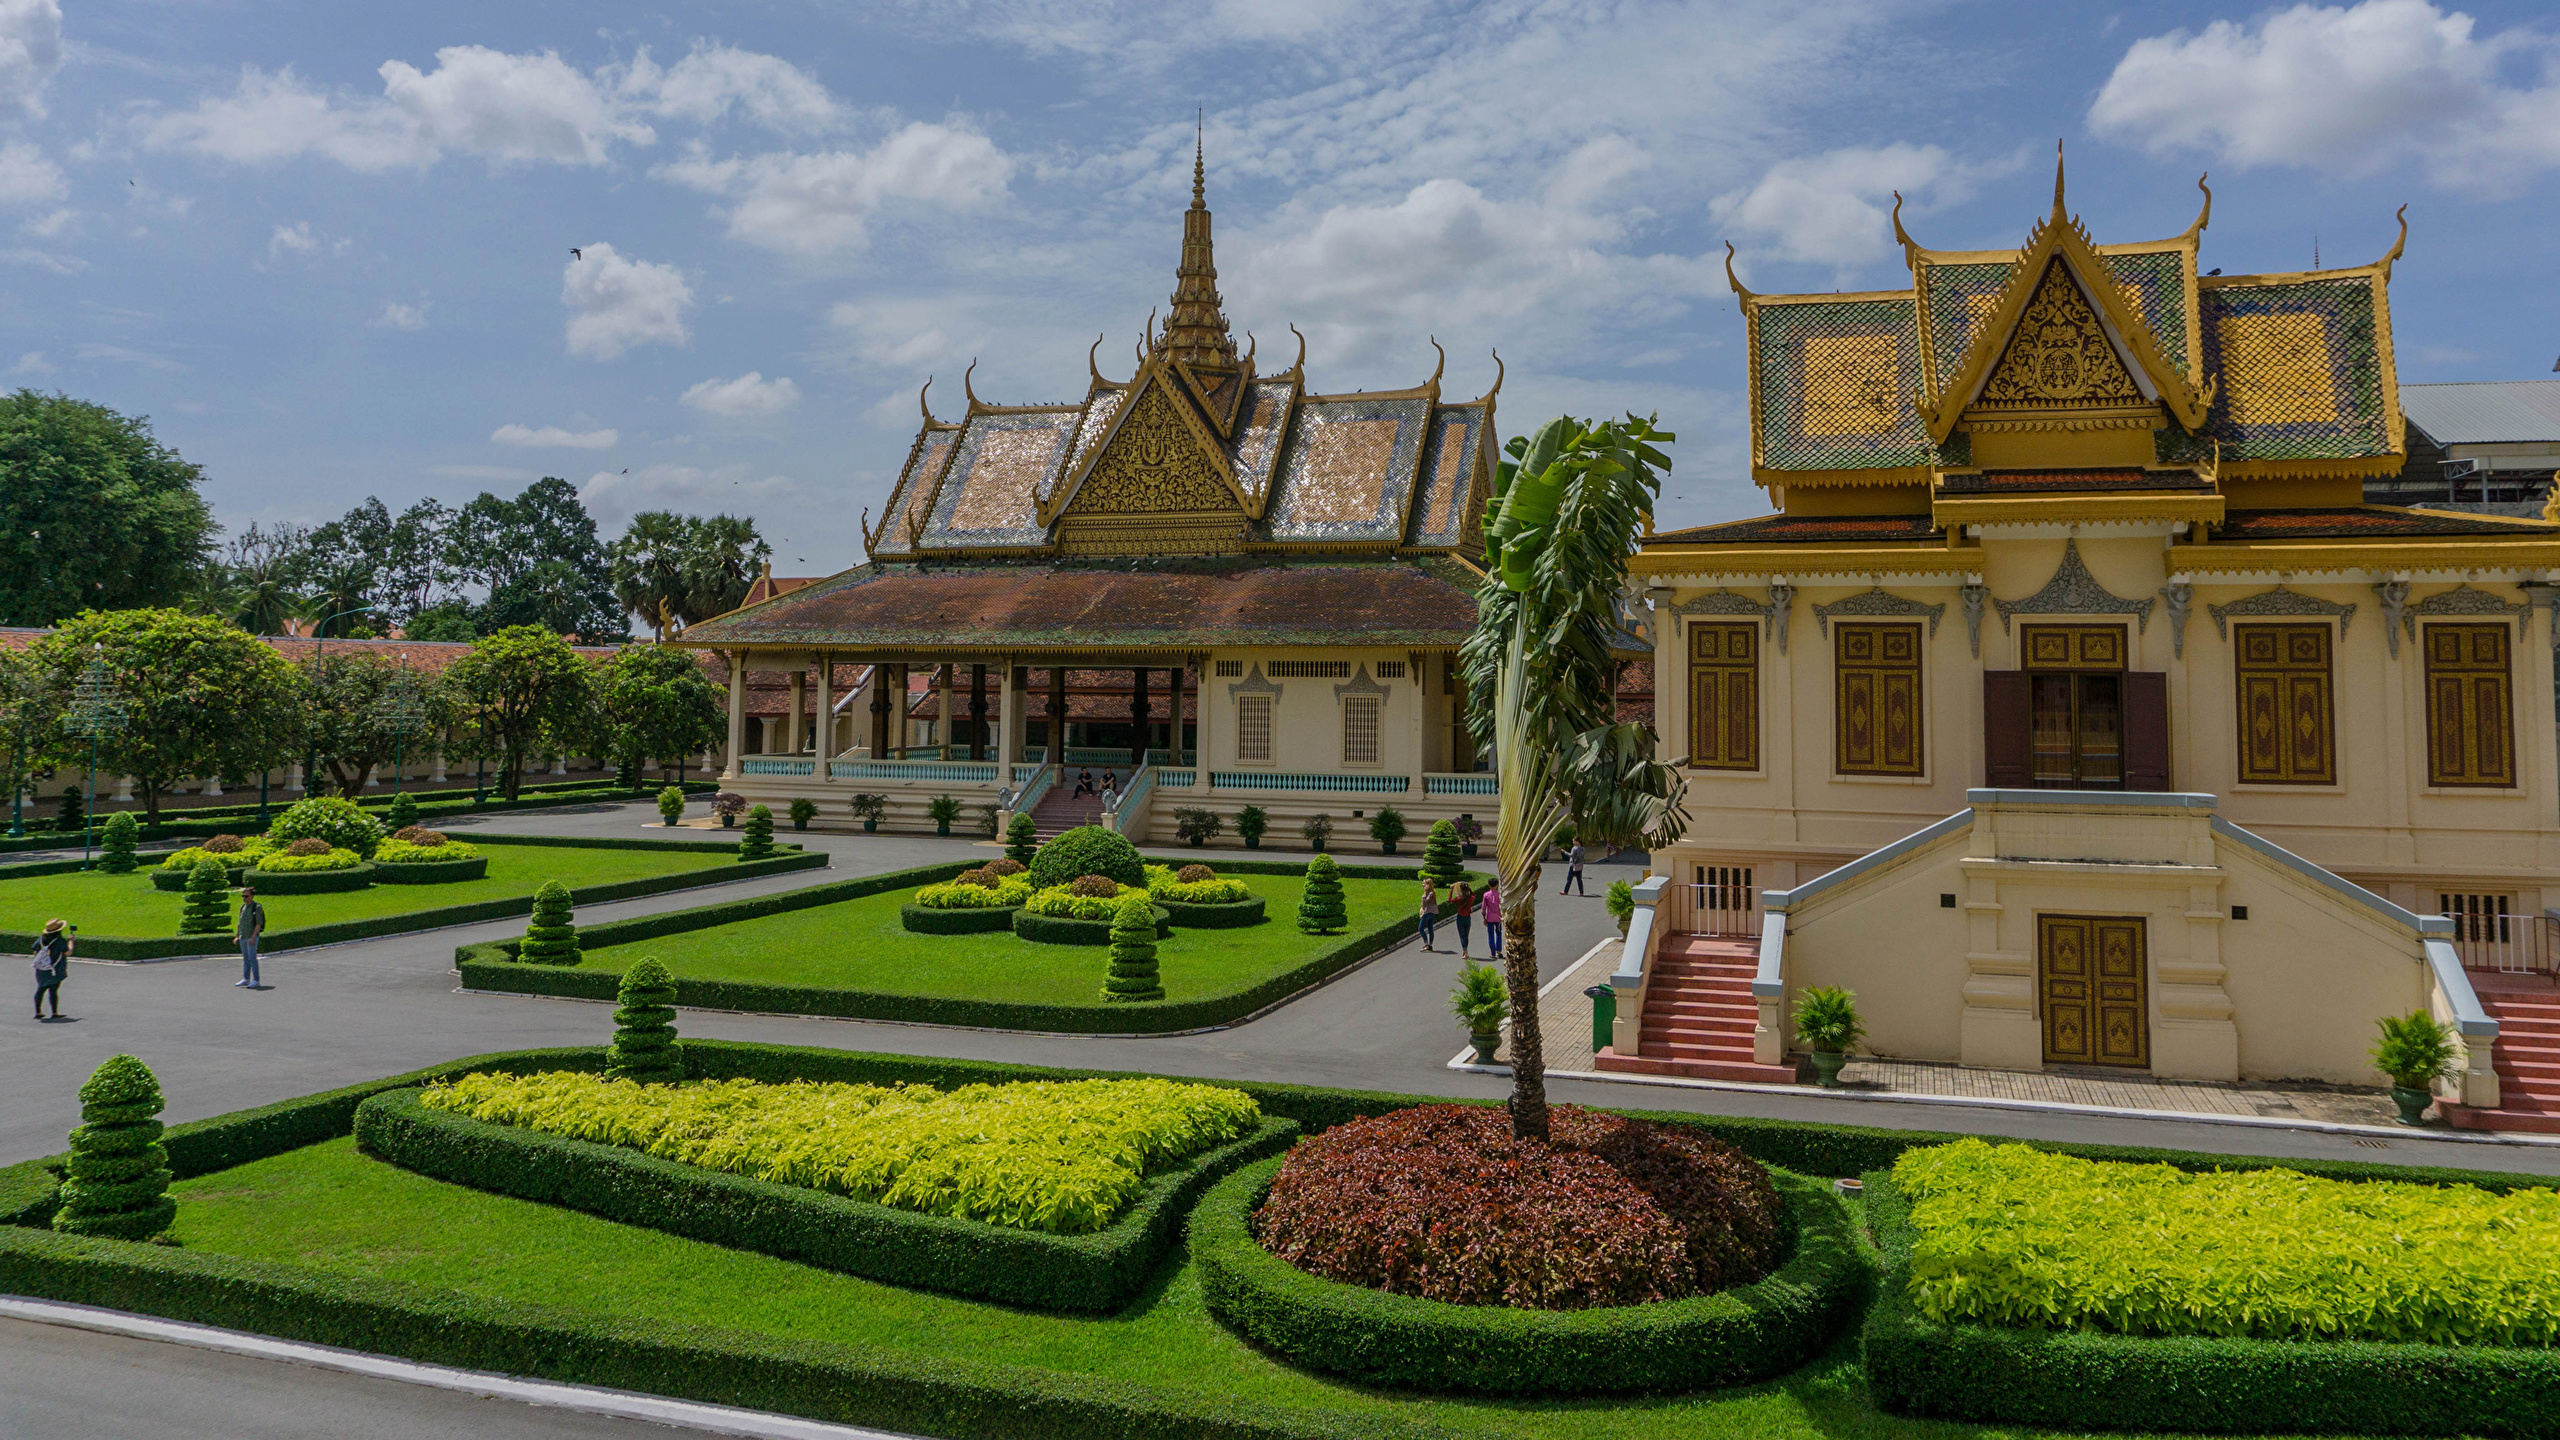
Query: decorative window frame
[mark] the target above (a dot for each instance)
(1362, 685)
(2339, 715)
(2074, 591)
(2519, 627)
(1927, 774)
(1254, 683)
(1773, 616)
(1687, 696)
(1878, 603)
(2281, 603)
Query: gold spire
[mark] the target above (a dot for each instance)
(1196, 331)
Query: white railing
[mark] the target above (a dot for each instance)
(2489, 936)
(1717, 900)
(1270, 780)
(1635, 963)
(766, 765)
(949, 772)
(2453, 1002)
(1027, 788)
(1475, 783)
(1116, 806)
(1182, 779)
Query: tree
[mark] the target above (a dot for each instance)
(551, 936)
(1441, 864)
(684, 569)
(1133, 953)
(1569, 507)
(501, 544)
(555, 595)
(263, 574)
(199, 697)
(671, 804)
(755, 839)
(721, 564)
(644, 1033)
(450, 621)
(412, 565)
(95, 513)
(117, 1182)
(116, 855)
(1320, 907)
(521, 689)
(207, 908)
(658, 705)
(29, 711)
(356, 712)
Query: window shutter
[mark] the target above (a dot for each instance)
(2146, 730)
(2005, 758)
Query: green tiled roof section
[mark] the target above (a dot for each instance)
(1954, 294)
(2349, 350)
(1785, 333)
(2160, 279)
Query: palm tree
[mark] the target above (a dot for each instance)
(721, 563)
(1568, 509)
(649, 566)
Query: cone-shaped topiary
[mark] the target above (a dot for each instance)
(121, 833)
(119, 1174)
(1133, 953)
(1320, 908)
(404, 811)
(644, 1032)
(1022, 839)
(1441, 863)
(626, 773)
(72, 813)
(208, 903)
(755, 838)
(550, 938)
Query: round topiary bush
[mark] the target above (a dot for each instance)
(1441, 1202)
(1193, 874)
(550, 938)
(341, 822)
(221, 845)
(1133, 954)
(1087, 850)
(644, 1033)
(1022, 839)
(118, 1172)
(1004, 865)
(404, 811)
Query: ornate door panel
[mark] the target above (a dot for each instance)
(1878, 680)
(2092, 990)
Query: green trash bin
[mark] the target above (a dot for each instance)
(1604, 1016)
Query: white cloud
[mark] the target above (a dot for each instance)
(32, 363)
(53, 224)
(552, 436)
(143, 358)
(397, 316)
(58, 264)
(714, 79)
(27, 177)
(297, 239)
(814, 203)
(616, 303)
(749, 394)
(1835, 208)
(30, 51)
(2345, 90)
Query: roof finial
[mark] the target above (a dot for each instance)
(2059, 215)
(1089, 361)
(1899, 234)
(1199, 160)
(926, 405)
(2204, 216)
(1433, 384)
(1732, 279)
(1195, 330)
(1487, 397)
(2384, 264)
(1300, 369)
(966, 388)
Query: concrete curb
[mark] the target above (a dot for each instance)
(592, 1400)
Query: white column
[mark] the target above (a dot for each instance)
(826, 716)
(293, 776)
(213, 785)
(124, 787)
(559, 765)
(438, 776)
(1008, 721)
(1207, 747)
(737, 711)
(792, 733)
(372, 776)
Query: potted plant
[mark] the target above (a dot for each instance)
(1481, 1001)
(942, 810)
(1470, 830)
(671, 805)
(803, 810)
(1827, 1025)
(988, 815)
(1251, 822)
(1387, 827)
(2415, 1052)
(1318, 831)
(1197, 825)
(729, 805)
(1621, 903)
(870, 807)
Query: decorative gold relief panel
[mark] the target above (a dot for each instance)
(2059, 355)
(1153, 465)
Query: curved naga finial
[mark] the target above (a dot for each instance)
(1732, 279)
(926, 405)
(1300, 369)
(965, 388)
(2204, 216)
(870, 538)
(2384, 264)
(1252, 347)
(1899, 234)
(1433, 384)
(1487, 397)
(1094, 369)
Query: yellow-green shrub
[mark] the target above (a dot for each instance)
(1220, 890)
(249, 852)
(1061, 902)
(2014, 1236)
(1063, 1157)
(952, 895)
(402, 852)
(276, 862)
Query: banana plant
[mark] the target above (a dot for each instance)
(1569, 506)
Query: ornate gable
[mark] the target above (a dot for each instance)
(2059, 355)
(1154, 489)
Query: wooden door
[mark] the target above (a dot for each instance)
(2091, 990)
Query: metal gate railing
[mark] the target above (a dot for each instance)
(2488, 935)
(1717, 900)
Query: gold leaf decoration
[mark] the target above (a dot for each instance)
(1154, 465)
(2059, 354)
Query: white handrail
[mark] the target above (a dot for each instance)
(1635, 961)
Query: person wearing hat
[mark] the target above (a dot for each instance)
(53, 961)
(251, 925)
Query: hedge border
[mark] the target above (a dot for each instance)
(220, 819)
(430, 872)
(359, 876)
(1229, 915)
(174, 947)
(1096, 1272)
(1068, 930)
(1732, 1337)
(934, 920)
(163, 879)
(2083, 1379)
(490, 965)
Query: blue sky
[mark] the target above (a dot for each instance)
(326, 247)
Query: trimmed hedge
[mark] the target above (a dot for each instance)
(1728, 1338)
(163, 879)
(928, 920)
(198, 822)
(358, 876)
(2101, 1380)
(430, 872)
(1231, 916)
(1100, 1271)
(1066, 930)
(133, 947)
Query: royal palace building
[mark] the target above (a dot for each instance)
(2073, 707)
(1265, 585)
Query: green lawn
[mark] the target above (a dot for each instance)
(859, 945)
(126, 905)
(328, 1206)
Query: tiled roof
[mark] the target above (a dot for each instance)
(2340, 522)
(2300, 368)
(1348, 469)
(1835, 381)
(2041, 482)
(1003, 464)
(1441, 515)
(1803, 530)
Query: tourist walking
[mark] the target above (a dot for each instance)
(1493, 919)
(251, 926)
(1462, 905)
(53, 961)
(1430, 915)
(1573, 871)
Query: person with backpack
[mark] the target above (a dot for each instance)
(249, 929)
(53, 961)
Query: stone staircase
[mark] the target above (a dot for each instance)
(1062, 810)
(1699, 1014)
(2527, 1056)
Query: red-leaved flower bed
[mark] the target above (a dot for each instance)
(1442, 1203)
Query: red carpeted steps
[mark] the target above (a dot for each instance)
(2527, 1056)
(1699, 1014)
(1062, 810)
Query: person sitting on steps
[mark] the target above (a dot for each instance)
(1084, 785)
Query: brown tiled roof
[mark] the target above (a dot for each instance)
(969, 609)
(1803, 530)
(2341, 522)
(2041, 482)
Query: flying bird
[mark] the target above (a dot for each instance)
(577, 254)
(626, 469)
(2216, 270)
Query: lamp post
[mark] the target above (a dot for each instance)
(319, 650)
(95, 712)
